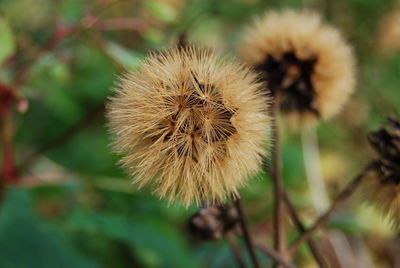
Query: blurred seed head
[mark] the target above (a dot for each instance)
(212, 222)
(192, 124)
(388, 36)
(304, 59)
(382, 186)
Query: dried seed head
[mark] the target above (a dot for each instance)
(306, 60)
(388, 36)
(191, 123)
(382, 186)
(212, 222)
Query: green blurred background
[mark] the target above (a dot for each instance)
(73, 207)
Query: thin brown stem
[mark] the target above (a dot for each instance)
(237, 254)
(279, 235)
(339, 200)
(299, 225)
(79, 126)
(301, 228)
(132, 24)
(62, 31)
(246, 234)
(273, 254)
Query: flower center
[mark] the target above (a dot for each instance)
(198, 118)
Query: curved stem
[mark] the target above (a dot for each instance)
(237, 254)
(273, 254)
(300, 226)
(343, 196)
(246, 233)
(80, 125)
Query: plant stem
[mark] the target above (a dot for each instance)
(343, 196)
(279, 235)
(246, 234)
(273, 254)
(235, 249)
(83, 123)
(312, 164)
(8, 174)
(300, 226)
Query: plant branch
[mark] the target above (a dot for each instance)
(83, 123)
(273, 254)
(235, 249)
(7, 132)
(301, 228)
(246, 234)
(279, 235)
(62, 31)
(299, 225)
(339, 200)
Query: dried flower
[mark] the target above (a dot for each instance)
(388, 36)
(213, 222)
(304, 60)
(382, 185)
(191, 123)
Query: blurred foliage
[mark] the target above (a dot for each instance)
(6, 40)
(75, 208)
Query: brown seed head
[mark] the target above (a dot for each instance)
(193, 124)
(308, 61)
(382, 187)
(388, 36)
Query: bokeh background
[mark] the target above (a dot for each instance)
(69, 205)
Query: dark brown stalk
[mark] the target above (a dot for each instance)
(279, 235)
(235, 249)
(339, 200)
(246, 234)
(273, 254)
(300, 227)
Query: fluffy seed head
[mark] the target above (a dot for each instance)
(304, 59)
(191, 123)
(382, 186)
(388, 37)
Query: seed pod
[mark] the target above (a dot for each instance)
(212, 222)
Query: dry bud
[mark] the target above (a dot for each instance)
(212, 222)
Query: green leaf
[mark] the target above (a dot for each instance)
(27, 241)
(128, 59)
(154, 36)
(94, 156)
(7, 44)
(162, 10)
(155, 243)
